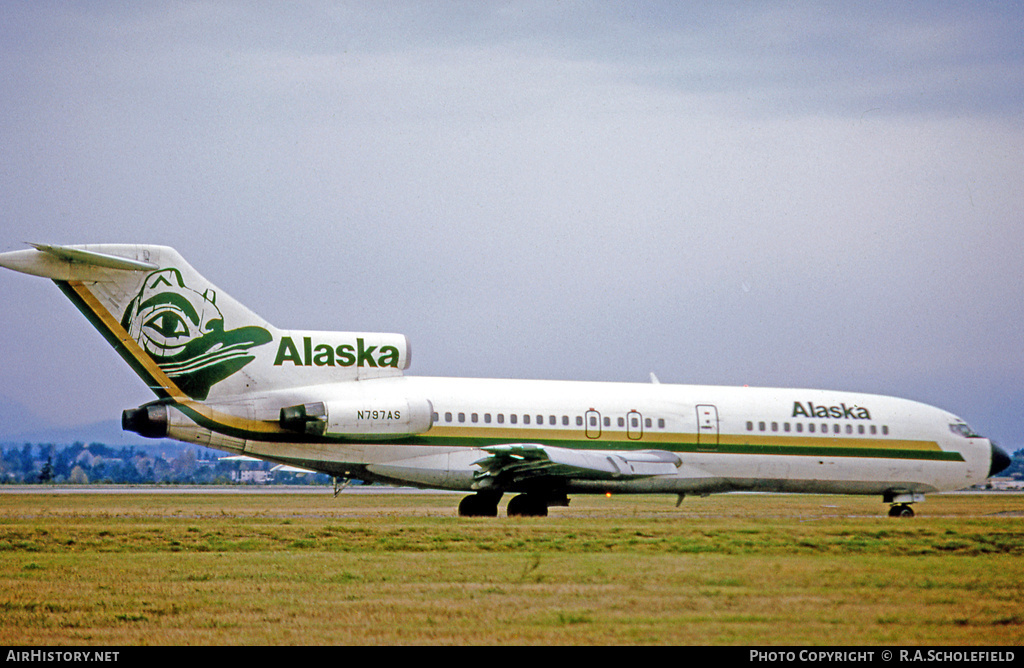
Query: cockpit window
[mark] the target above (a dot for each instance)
(963, 429)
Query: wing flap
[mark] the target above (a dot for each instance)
(518, 462)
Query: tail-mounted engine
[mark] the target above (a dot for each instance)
(366, 418)
(162, 420)
(150, 420)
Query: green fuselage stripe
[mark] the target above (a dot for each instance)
(618, 441)
(686, 443)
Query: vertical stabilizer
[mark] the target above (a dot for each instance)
(190, 341)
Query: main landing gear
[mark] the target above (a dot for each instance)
(480, 505)
(521, 505)
(528, 505)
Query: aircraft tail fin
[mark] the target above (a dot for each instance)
(187, 339)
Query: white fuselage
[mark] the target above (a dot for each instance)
(726, 438)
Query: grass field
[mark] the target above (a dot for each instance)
(163, 569)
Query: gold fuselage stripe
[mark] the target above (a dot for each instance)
(142, 358)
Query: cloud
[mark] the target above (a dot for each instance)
(783, 194)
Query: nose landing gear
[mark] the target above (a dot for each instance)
(900, 503)
(901, 510)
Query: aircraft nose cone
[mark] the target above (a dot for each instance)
(1000, 460)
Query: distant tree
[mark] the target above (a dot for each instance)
(65, 460)
(161, 470)
(27, 463)
(1016, 465)
(184, 465)
(78, 476)
(46, 475)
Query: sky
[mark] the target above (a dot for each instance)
(813, 194)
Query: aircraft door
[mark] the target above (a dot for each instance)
(592, 422)
(634, 425)
(707, 425)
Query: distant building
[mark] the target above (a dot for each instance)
(253, 477)
(1002, 484)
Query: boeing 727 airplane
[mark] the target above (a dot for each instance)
(339, 403)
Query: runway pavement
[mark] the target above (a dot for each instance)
(212, 489)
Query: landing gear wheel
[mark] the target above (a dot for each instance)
(479, 505)
(901, 510)
(528, 505)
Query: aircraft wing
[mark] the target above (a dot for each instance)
(514, 463)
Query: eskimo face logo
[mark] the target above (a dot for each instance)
(183, 331)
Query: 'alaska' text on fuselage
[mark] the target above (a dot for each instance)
(840, 412)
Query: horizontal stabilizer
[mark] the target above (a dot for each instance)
(77, 263)
(96, 259)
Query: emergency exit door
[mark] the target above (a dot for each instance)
(593, 424)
